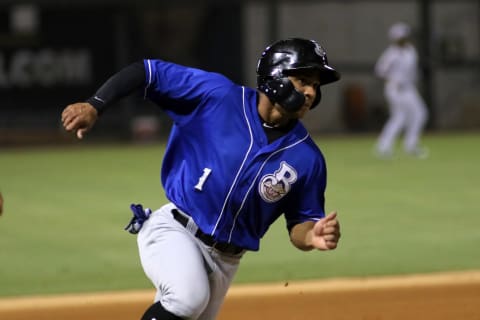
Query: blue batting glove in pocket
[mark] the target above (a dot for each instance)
(139, 217)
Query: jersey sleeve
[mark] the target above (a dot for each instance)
(182, 90)
(310, 203)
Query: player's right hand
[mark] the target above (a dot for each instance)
(79, 118)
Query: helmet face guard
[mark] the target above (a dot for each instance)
(285, 57)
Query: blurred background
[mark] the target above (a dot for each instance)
(53, 53)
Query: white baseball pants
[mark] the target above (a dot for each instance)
(407, 112)
(191, 279)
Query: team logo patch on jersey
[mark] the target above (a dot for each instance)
(273, 187)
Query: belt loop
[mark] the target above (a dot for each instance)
(191, 226)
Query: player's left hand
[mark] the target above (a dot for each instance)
(326, 232)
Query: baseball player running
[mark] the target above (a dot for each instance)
(236, 160)
(398, 67)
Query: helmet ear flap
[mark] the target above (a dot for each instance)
(283, 92)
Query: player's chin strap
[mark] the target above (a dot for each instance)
(139, 217)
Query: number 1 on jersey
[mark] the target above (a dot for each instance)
(203, 178)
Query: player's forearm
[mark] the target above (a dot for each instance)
(301, 235)
(118, 86)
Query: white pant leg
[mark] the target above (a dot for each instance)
(173, 261)
(220, 280)
(396, 120)
(191, 278)
(417, 117)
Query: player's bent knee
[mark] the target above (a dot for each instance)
(157, 312)
(188, 305)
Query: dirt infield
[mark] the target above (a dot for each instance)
(447, 296)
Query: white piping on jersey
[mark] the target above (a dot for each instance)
(254, 180)
(149, 79)
(241, 166)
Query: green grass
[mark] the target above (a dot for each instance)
(398, 216)
(65, 209)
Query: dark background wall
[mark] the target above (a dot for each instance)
(71, 50)
(54, 52)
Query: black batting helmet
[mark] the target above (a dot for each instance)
(284, 57)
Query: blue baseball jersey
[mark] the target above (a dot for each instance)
(219, 167)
